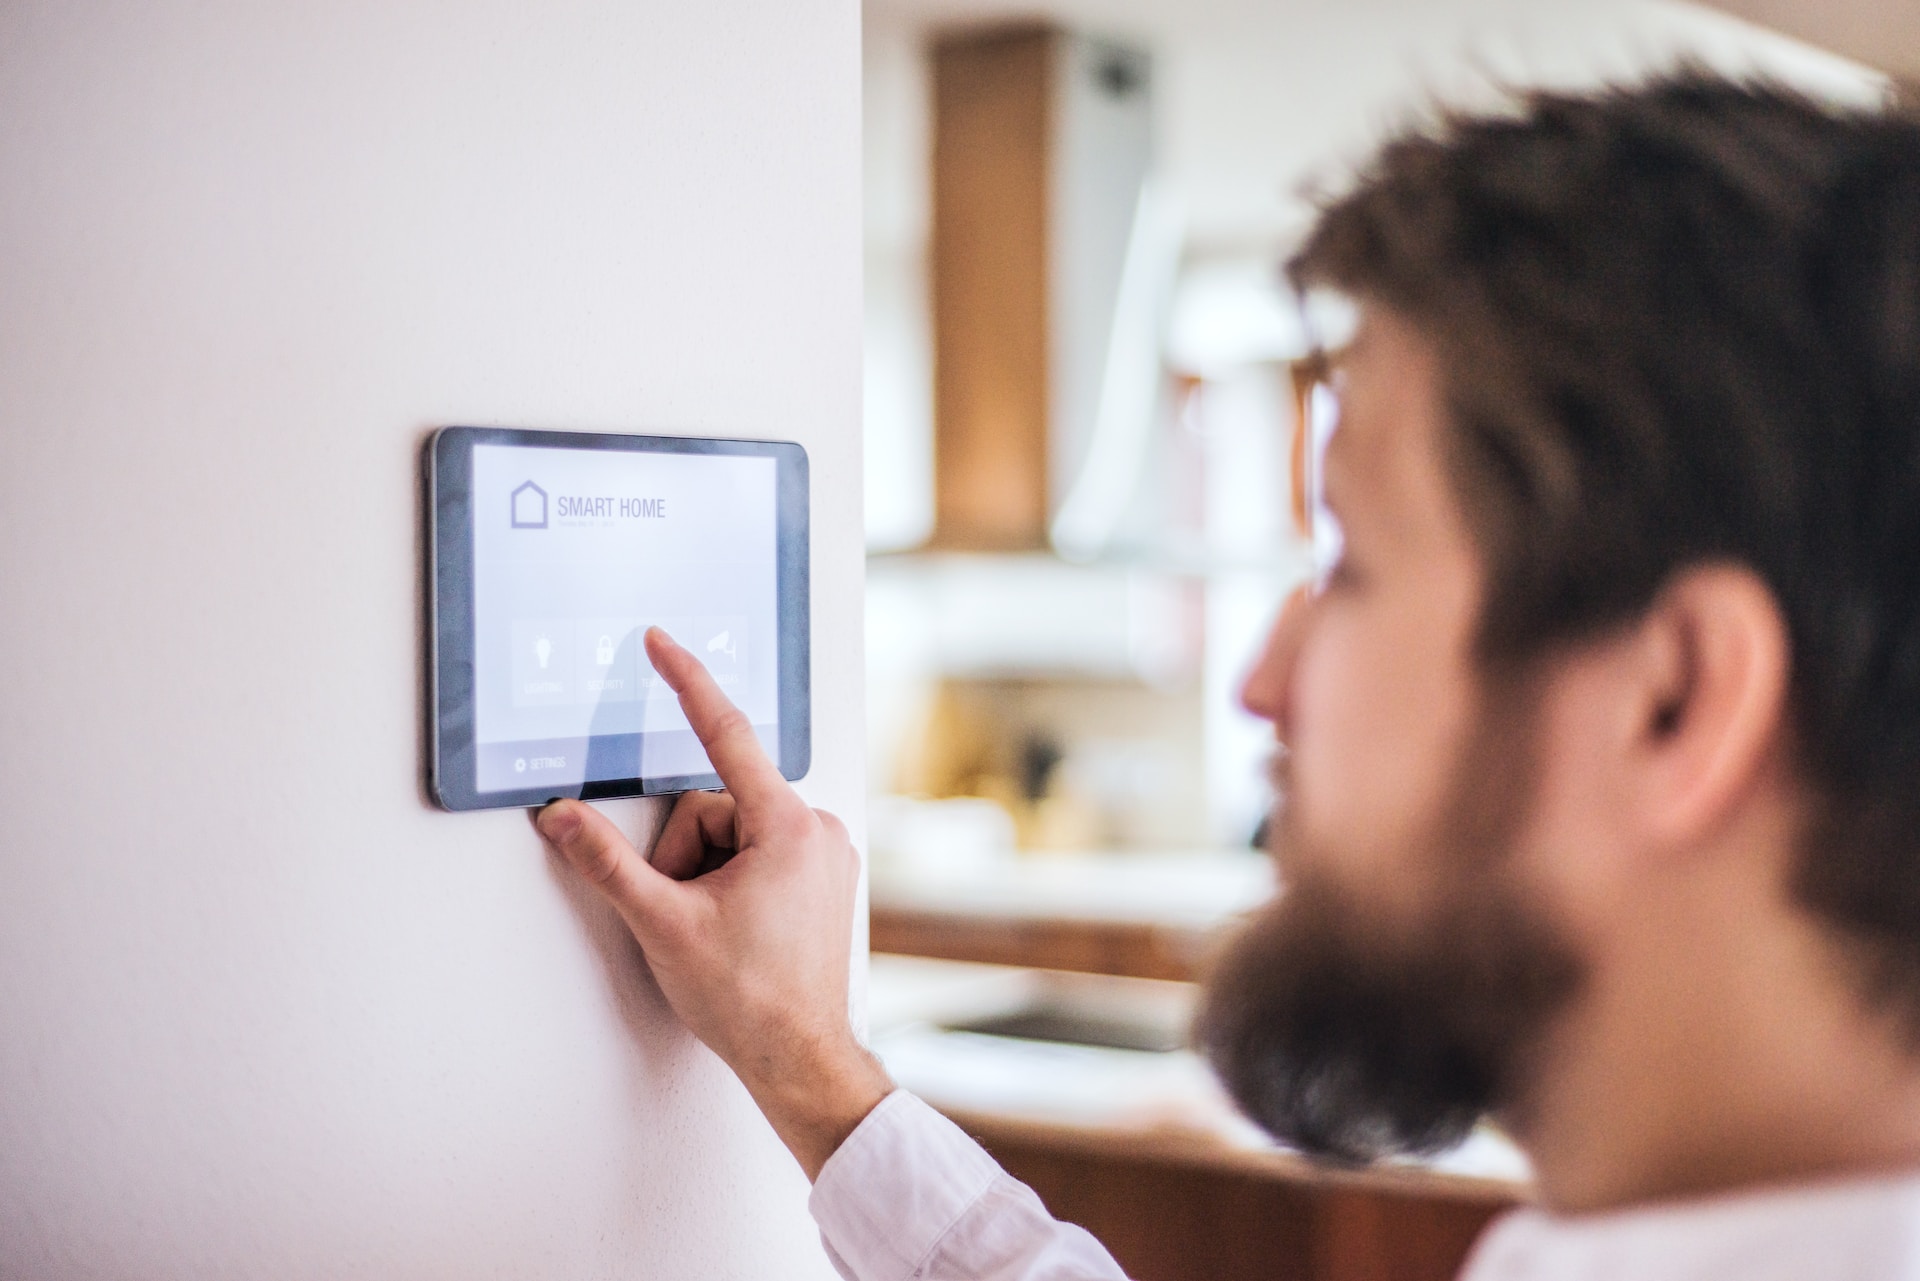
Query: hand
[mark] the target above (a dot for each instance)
(746, 918)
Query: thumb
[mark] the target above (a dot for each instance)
(594, 847)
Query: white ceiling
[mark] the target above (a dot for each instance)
(1258, 97)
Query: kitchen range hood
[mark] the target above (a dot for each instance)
(1053, 257)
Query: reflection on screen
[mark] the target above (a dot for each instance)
(578, 552)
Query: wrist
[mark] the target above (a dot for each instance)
(815, 1095)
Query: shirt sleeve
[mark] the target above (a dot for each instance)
(910, 1196)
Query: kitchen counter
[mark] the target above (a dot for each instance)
(1151, 916)
(1197, 889)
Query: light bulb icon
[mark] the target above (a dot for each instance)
(543, 650)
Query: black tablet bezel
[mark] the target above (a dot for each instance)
(452, 754)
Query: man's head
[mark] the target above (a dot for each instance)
(1625, 638)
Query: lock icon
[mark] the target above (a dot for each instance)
(603, 652)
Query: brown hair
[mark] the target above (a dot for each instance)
(1680, 323)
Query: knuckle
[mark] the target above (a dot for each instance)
(730, 722)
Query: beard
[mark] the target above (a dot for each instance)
(1353, 1038)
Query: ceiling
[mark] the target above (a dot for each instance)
(1259, 99)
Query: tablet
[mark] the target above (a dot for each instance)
(552, 553)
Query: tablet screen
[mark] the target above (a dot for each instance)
(574, 552)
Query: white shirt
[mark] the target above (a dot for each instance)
(908, 1195)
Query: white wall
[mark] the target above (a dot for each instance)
(263, 1011)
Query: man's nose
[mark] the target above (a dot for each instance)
(1266, 691)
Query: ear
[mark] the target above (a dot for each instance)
(1709, 701)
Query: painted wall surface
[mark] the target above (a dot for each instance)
(263, 1010)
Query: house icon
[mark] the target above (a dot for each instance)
(529, 506)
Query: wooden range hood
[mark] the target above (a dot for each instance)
(1041, 143)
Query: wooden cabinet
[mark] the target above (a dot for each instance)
(1132, 949)
(1176, 1207)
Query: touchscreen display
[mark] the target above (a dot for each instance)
(576, 552)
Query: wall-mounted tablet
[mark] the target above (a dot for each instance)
(553, 552)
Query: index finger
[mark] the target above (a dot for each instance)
(723, 729)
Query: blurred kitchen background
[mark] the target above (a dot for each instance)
(1090, 429)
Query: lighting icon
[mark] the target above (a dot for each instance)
(543, 650)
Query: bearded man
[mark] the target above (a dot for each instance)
(1600, 772)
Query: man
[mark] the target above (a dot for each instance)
(1601, 775)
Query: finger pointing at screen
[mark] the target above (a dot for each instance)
(723, 729)
(753, 956)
